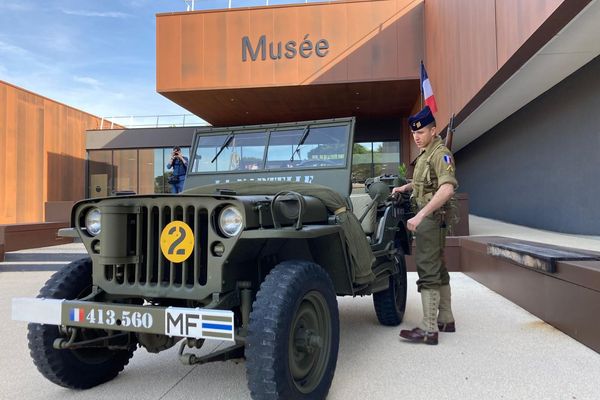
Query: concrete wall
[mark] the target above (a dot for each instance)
(540, 166)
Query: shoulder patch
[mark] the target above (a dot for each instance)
(449, 162)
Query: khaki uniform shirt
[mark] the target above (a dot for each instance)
(434, 167)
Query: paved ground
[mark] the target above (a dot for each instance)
(499, 352)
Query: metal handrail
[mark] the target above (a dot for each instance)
(191, 4)
(157, 121)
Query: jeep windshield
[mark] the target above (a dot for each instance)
(310, 152)
(272, 149)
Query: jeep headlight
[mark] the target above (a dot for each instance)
(92, 221)
(230, 221)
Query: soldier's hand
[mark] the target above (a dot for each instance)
(414, 222)
(399, 189)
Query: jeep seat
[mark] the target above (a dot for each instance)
(360, 202)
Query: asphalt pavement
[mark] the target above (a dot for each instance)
(500, 351)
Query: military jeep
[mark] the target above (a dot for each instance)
(253, 252)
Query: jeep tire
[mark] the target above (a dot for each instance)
(81, 368)
(293, 336)
(390, 304)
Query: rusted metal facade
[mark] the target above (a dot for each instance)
(42, 153)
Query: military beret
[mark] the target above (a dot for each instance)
(421, 119)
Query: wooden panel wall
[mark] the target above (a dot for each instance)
(517, 20)
(368, 41)
(467, 42)
(42, 153)
(460, 51)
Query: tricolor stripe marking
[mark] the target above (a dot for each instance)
(76, 314)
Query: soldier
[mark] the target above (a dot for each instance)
(432, 187)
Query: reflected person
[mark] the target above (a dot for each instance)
(179, 164)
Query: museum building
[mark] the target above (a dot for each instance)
(521, 77)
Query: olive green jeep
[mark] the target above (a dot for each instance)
(253, 253)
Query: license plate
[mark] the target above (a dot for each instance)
(199, 323)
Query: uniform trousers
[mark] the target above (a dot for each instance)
(430, 240)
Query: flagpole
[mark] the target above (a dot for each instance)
(421, 84)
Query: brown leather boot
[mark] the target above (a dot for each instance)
(418, 335)
(427, 330)
(446, 327)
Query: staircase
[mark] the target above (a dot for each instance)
(50, 258)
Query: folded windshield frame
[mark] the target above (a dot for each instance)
(266, 148)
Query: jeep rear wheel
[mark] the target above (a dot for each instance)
(391, 303)
(293, 337)
(76, 369)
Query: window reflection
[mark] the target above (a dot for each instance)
(386, 158)
(166, 172)
(141, 171)
(151, 171)
(244, 152)
(362, 162)
(100, 173)
(300, 148)
(125, 170)
(370, 159)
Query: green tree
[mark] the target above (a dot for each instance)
(326, 151)
(359, 149)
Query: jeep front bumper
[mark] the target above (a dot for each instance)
(199, 323)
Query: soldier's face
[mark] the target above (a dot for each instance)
(424, 136)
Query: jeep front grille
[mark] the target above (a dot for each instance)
(149, 267)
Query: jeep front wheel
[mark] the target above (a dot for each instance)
(293, 337)
(81, 368)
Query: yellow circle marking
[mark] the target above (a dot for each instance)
(177, 241)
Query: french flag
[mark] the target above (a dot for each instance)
(427, 90)
(76, 314)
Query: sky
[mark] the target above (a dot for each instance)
(95, 55)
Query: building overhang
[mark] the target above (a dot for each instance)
(243, 106)
(292, 62)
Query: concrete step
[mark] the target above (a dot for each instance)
(42, 259)
(43, 256)
(18, 266)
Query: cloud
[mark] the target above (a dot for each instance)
(11, 49)
(15, 6)
(87, 80)
(109, 14)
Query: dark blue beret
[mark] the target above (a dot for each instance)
(421, 119)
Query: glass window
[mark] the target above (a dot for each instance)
(362, 162)
(386, 158)
(243, 152)
(281, 148)
(372, 159)
(151, 171)
(100, 173)
(301, 148)
(125, 165)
